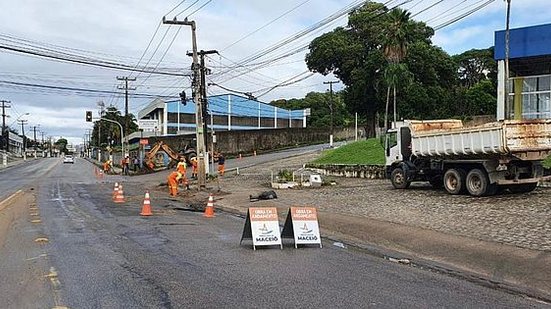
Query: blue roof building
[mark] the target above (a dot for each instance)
(529, 88)
(224, 112)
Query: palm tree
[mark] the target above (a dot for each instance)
(397, 37)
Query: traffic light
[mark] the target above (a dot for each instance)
(183, 97)
(88, 116)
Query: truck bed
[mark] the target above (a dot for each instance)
(524, 139)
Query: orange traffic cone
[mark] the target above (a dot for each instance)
(146, 208)
(115, 190)
(120, 195)
(209, 210)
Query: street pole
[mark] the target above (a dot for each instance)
(199, 128)
(122, 132)
(506, 103)
(331, 108)
(5, 137)
(23, 122)
(126, 88)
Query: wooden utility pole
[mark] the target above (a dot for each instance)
(126, 88)
(23, 122)
(331, 107)
(5, 137)
(199, 120)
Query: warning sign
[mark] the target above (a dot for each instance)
(302, 225)
(262, 226)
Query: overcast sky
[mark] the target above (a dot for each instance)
(119, 31)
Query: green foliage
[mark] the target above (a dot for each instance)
(285, 175)
(61, 145)
(547, 162)
(369, 152)
(110, 132)
(359, 54)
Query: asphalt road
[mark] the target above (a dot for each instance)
(100, 254)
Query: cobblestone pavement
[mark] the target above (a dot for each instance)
(522, 220)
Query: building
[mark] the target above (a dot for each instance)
(225, 112)
(529, 87)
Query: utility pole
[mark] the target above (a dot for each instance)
(101, 106)
(331, 107)
(126, 88)
(199, 121)
(204, 71)
(5, 137)
(23, 122)
(506, 104)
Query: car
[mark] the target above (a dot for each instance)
(69, 159)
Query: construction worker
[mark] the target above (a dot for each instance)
(173, 179)
(221, 162)
(194, 168)
(182, 168)
(107, 166)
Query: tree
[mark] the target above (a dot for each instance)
(355, 55)
(61, 145)
(110, 132)
(476, 65)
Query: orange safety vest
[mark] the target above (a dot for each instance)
(181, 167)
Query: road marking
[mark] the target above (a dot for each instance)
(36, 221)
(4, 203)
(37, 257)
(41, 239)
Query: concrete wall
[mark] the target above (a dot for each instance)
(247, 141)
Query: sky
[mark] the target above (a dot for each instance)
(240, 30)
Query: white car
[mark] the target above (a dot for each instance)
(69, 159)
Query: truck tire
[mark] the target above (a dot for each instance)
(399, 179)
(454, 181)
(523, 188)
(478, 183)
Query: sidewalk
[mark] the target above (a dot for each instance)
(499, 265)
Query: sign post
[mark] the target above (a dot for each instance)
(302, 225)
(262, 226)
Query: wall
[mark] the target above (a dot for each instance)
(247, 141)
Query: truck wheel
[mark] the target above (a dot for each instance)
(523, 188)
(477, 183)
(399, 179)
(454, 181)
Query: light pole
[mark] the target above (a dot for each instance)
(122, 132)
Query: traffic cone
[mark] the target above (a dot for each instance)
(209, 210)
(146, 208)
(120, 195)
(115, 190)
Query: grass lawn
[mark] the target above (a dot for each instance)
(368, 152)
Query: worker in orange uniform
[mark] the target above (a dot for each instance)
(182, 168)
(221, 162)
(173, 179)
(194, 168)
(107, 166)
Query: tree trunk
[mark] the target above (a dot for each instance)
(386, 109)
(394, 105)
(370, 125)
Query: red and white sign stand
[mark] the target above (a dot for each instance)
(302, 225)
(262, 226)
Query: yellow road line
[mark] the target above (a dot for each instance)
(5, 203)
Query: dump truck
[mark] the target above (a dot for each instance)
(478, 160)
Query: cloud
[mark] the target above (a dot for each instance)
(121, 30)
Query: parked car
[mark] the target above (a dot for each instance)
(69, 159)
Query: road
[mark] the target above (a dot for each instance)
(65, 243)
